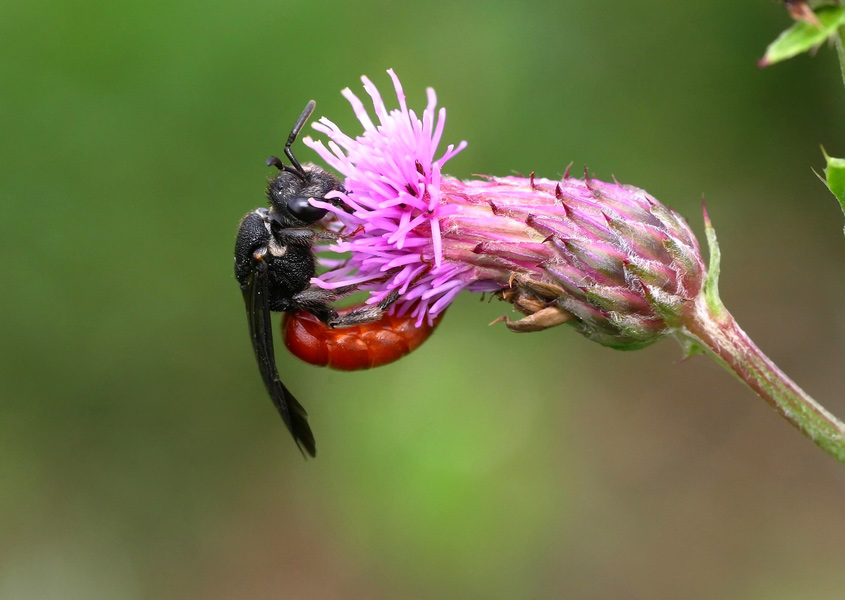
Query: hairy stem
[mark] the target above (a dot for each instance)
(718, 333)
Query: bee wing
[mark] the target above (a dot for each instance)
(261, 331)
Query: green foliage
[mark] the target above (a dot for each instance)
(711, 286)
(803, 36)
(834, 177)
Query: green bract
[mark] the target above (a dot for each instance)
(803, 36)
(834, 174)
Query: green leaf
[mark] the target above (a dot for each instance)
(834, 174)
(711, 285)
(803, 36)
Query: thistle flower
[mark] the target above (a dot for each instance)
(608, 259)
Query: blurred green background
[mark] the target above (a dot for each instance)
(139, 454)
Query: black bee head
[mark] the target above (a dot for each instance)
(290, 193)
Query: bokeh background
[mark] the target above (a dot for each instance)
(139, 455)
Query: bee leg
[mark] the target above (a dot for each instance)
(317, 301)
(334, 236)
(327, 236)
(364, 314)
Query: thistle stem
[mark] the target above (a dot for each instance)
(714, 329)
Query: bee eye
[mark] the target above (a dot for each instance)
(303, 210)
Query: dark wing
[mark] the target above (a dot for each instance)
(261, 331)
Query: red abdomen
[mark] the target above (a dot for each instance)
(352, 348)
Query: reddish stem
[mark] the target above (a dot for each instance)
(715, 330)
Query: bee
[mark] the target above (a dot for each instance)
(274, 264)
(361, 346)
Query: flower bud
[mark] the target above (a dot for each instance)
(618, 262)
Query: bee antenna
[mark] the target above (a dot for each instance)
(297, 127)
(275, 161)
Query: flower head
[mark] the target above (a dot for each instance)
(608, 258)
(395, 204)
